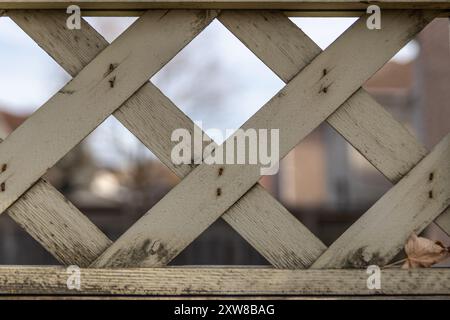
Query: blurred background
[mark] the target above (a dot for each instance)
(113, 179)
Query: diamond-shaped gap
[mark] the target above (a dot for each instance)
(217, 80)
(326, 183)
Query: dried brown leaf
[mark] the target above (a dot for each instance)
(423, 252)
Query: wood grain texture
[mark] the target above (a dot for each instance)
(152, 117)
(366, 125)
(408, 207)
(16, 280)
(58, 226)
(48, 216)
(193, 205)
(98, 90)
(221, 4)
(286, 50)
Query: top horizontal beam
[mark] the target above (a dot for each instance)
(222, 4)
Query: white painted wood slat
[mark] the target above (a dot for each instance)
(305, 102)
(94, 94)
(383, 141)
(408, 207)
(148, 114)
(58, 226)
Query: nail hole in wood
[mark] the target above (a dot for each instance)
(219, 192)
(112, 82)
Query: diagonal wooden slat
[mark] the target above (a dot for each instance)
(303, 104)
(58, 226)
(286, 50)
(259, 218)
(93, 95)
(282, 46)
(408, 207)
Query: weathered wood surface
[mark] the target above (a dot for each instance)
(366, 125)
(93, 95)
(58, 225)
(43, 212)
(220, 4)
(152, 117)
(362, 121)
(406, 208)
(304, 103)
(221, 281)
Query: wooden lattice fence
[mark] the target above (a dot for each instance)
(320, 86)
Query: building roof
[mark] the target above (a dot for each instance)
(9, 122)
(392, 77)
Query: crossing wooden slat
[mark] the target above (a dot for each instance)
(54, 222)
(221, 281)
(152, 117)
(408, 207)
(365, 124)
(257, 216)
(285, 49)
(194, 204)
(58, 226)
(94, 94)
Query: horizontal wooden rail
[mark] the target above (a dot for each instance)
(225, 4)
(20, 280)
(290, 13)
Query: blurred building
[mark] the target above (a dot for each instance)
(326, 183)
